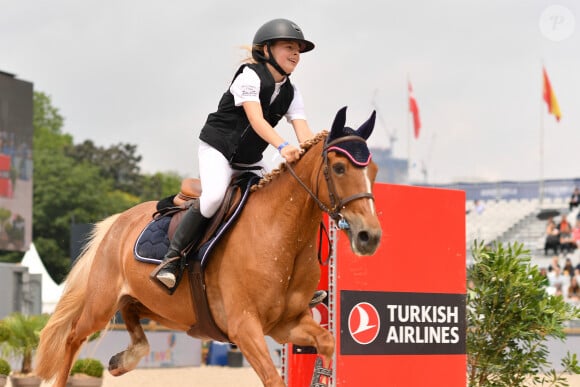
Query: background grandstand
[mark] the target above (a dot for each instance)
(509, 212)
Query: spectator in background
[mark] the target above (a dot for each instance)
(568, 268)
(557, 279)
(574, 199)
(566, 241)
(552, 237)
(576, 233)
(564, 226)
(574, 290)
(554, 264)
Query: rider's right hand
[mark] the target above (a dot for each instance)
(290, 153)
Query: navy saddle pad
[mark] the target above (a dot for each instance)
(153, 242)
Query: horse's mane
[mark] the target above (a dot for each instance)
(306, 145)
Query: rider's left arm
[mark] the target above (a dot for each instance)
(302, 130)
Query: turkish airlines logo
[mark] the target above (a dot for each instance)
(364, 323)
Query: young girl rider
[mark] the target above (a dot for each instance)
(235, 137)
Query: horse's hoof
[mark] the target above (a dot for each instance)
(115, 365)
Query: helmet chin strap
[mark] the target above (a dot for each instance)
(273, 62)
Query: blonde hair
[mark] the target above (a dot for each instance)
(249, 59)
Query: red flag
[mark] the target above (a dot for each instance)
(550, 97)
(414, 109)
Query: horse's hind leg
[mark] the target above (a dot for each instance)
(127, 360)
(89, 322)
(74, 343)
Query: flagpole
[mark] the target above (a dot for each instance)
(549, 97)
(541, 181)
(408, 133)
(541, 185)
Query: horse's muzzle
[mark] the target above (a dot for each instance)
(364, 241)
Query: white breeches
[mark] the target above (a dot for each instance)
(215, 174)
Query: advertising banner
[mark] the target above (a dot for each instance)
(16, 132)
(401, 312)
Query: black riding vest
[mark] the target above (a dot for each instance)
(228, 129)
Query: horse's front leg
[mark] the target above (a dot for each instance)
(247, 333)
(306, 332)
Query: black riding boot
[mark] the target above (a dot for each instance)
(189, 231)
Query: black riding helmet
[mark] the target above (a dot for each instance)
(278, 29)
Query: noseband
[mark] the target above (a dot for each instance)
(336, 203)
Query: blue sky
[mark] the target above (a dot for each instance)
(148, 73)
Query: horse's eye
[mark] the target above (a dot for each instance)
(338, 168)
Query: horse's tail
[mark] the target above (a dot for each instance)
(53, 338)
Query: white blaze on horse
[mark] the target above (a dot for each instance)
(260, 277)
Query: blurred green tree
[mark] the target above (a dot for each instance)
(80, 183)
(510, 316)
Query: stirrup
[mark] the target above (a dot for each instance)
(161, 266)
(167, 278)
(319, 371)
(318, 297)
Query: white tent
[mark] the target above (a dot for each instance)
(51, 291)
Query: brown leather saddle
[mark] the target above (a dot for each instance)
(189, 191)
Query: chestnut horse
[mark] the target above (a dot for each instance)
(261, 275)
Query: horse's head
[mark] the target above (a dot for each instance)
(350, 174)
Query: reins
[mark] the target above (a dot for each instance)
(336, 203)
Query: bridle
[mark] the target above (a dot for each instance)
(336, 203)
